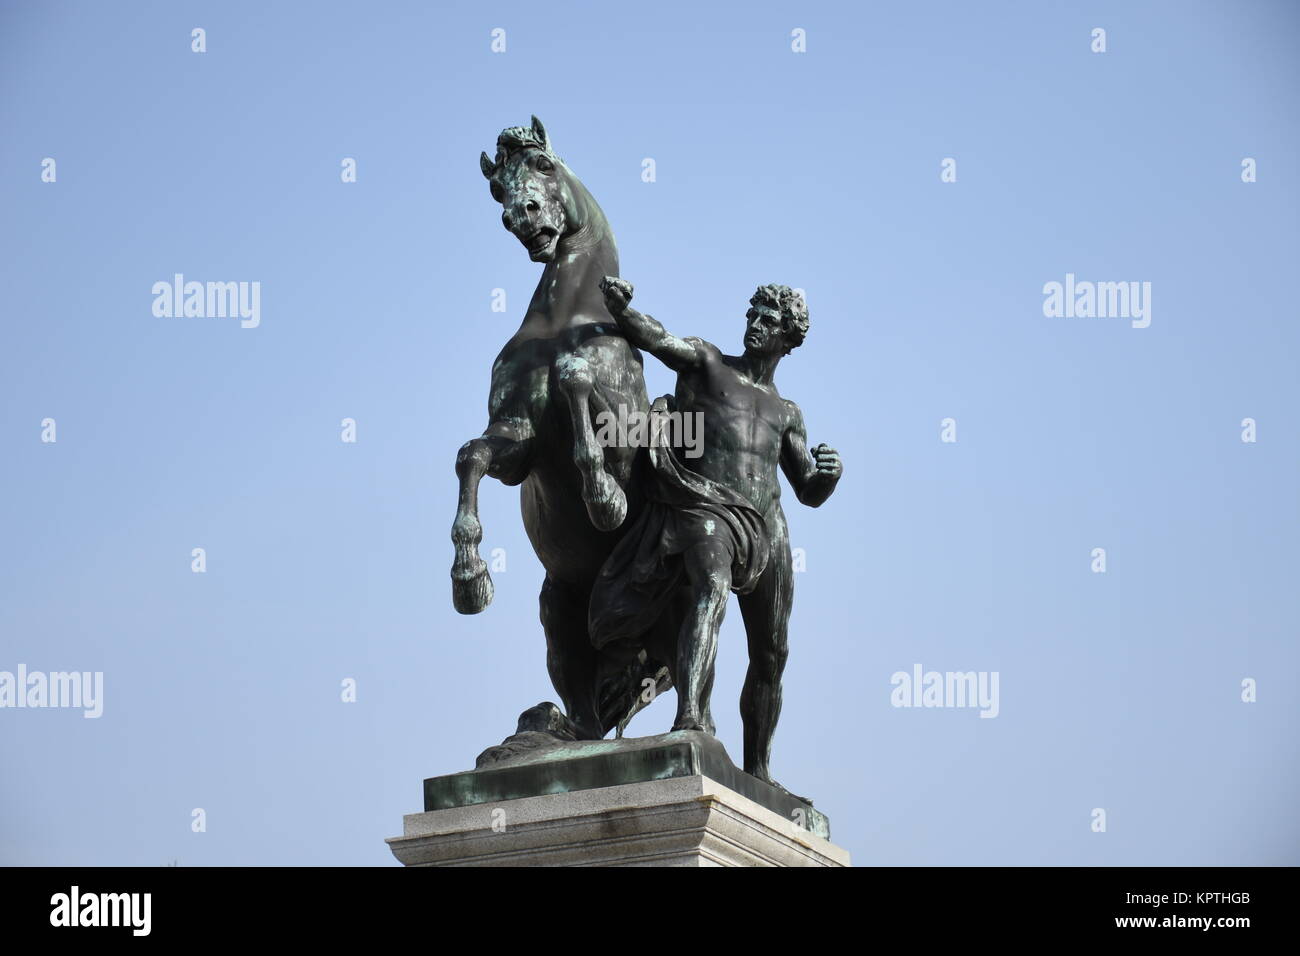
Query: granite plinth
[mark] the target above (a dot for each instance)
(689, 821)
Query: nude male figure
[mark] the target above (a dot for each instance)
(715, 522)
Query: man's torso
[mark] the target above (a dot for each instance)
(744, 426)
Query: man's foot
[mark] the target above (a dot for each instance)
(767, 779)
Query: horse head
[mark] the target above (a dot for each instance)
(542, 201)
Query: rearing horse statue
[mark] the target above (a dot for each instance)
(567, 363)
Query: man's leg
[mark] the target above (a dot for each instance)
(766, 611)
(708, 582)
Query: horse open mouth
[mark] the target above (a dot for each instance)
(540, 241)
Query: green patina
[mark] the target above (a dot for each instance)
(592, 764)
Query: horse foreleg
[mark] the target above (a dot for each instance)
(500, 456)
(606, 503)
(471, 585)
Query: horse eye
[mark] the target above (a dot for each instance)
(544, 164)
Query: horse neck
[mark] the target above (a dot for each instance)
(569, 291)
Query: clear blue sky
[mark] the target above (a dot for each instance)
(820, 170)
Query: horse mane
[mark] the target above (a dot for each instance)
(514, 138)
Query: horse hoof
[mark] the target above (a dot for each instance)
(471, 591)
(608, 506)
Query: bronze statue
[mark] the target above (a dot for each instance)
(714, 524)
(641, 546)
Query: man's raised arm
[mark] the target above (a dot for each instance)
(644, 331)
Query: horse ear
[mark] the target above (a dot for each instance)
(540, 132)
(486, 165)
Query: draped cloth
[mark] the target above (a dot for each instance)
(682, 509)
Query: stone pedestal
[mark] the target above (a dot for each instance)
(681, 821)
(654, 801)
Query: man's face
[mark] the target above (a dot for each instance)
(763, 332)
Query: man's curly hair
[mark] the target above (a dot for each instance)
(793, 309)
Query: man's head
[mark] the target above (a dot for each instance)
(777, 320)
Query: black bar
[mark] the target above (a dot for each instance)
(336, 904)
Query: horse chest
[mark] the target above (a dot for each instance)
(523, 385)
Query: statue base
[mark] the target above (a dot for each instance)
(671, 800)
